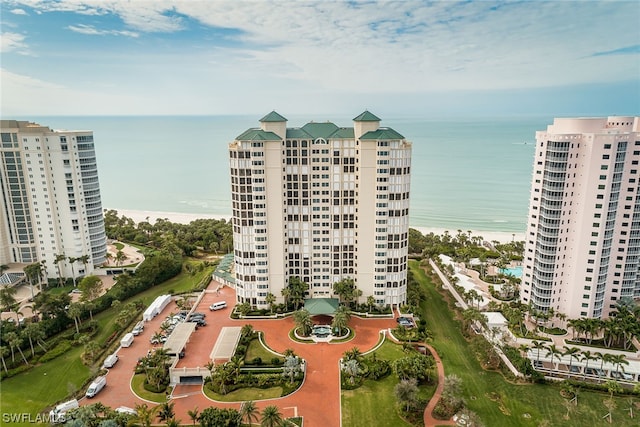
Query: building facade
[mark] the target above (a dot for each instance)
(50, 197)
(582, 248)
(322, 203)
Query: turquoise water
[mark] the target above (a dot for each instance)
(514, 271)
(468, 174)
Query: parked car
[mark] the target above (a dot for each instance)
(595, 371)
(405, 321)
(218, 305)
(110, 361)
(198, 321)
(621, 376)
(137, 330)
(97, 385)
(160, 340)
(574, 369)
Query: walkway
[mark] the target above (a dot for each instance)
(429, 420)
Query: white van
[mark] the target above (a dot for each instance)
(218, 305)
(58, 414)
(110, 361)
(137, 330)
(127, 340)
(97, 385)
(126, 410)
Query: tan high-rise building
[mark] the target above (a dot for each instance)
(582, 251)
(50, 199)
(322, 203)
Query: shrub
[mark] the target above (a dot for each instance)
(276, 361)
(152, 388)
(15, 371)
(61, 348)
(241, 350)
(257, 361)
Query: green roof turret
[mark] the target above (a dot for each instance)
(273, 117)
(366, 117)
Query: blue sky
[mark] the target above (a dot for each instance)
(248, 57)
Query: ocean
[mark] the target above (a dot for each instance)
(467, 173)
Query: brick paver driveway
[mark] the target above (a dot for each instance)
(318, 400)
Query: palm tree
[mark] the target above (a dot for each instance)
(193, 414)
(618, 360)
(303, 321)
(270, 299)
(3, 353)
(120, 258)
(249, 412)
(406, 391)
(75, 311)
(166, 412)
(572, 352)
(371, 302)
(351, 367)
(58, 259)
(606, 358)
(144, 414)
(353, 354)
(72, 260)
(235, 364)
(15, 341)
(271, 417)
(32, 272)
(538, 345)
(524, 349)
(587, 357)
(8, 300)
(84, 259)
(553, 351)
(32, 332)
(341, 319)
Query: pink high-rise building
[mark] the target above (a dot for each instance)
(582, 252)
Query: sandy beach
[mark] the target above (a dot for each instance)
(185, 218)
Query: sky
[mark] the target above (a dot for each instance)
(418, 58)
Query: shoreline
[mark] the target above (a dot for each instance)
(185, 218)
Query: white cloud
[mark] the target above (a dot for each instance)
(328, 48)
(19, 12)
(13, 42)
(25, 95)
(91, 30)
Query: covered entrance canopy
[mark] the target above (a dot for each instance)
(316, 306)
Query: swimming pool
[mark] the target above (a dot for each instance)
(514, 271)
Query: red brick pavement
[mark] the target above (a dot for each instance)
(318, 400)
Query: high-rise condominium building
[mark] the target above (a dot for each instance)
(582, 247)
(322, 203)
(50, 199)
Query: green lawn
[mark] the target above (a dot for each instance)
(496, 401)
(137, 385)
(256, 349)
(44, 385)
(33, 391)
(374, 402)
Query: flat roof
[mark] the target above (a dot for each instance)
(226, 343)
(179, 337)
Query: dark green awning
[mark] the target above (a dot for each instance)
(317, 306)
